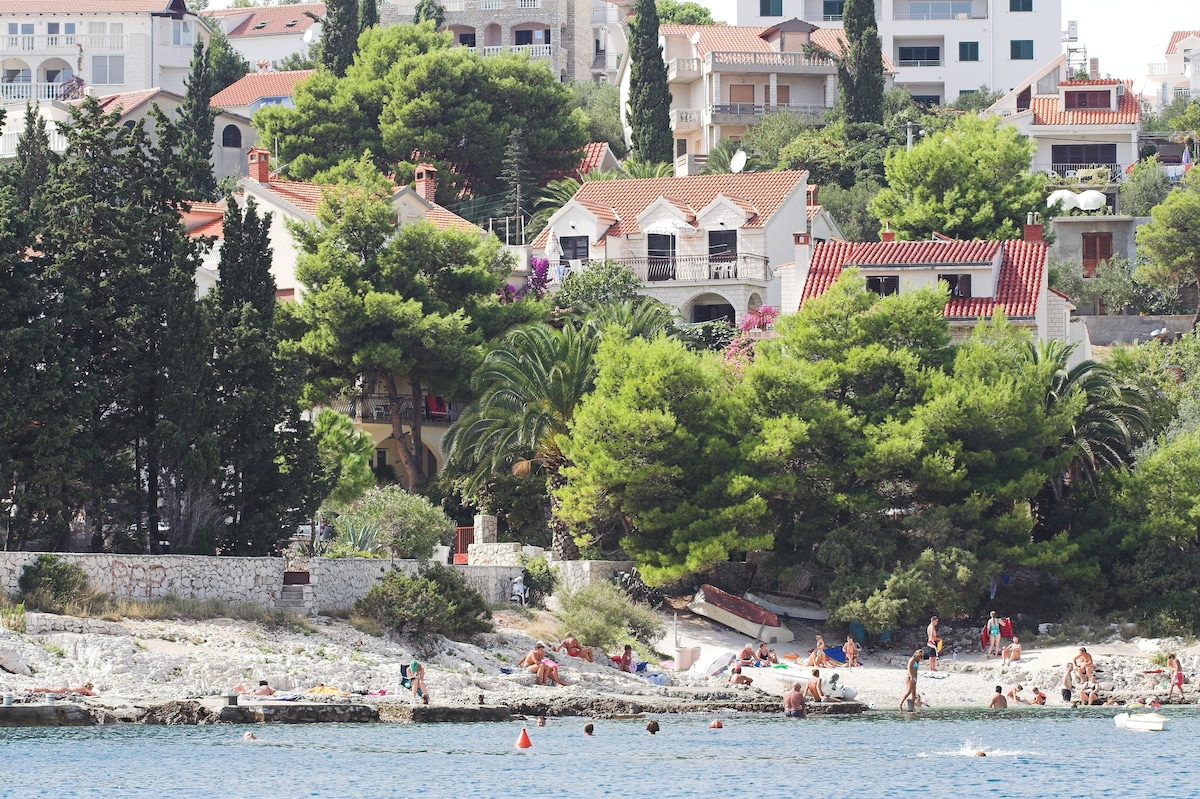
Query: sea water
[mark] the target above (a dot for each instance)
(1031, 752)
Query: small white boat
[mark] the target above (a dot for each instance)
(743, 616)
(1150, 722)
(787, 605)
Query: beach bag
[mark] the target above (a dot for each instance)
(1006, 630)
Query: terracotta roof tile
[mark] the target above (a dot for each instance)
(204, 219)
(593, 155)
(813, 210)
(130, 101)
(271, 20)
(307, 198)
(748, 38)
(1017, 288)
(1046, 111)
(1177, 37)
(1091, 82)
(257, 85)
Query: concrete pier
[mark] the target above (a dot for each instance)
(59, 714)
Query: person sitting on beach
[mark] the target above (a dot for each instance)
(63, 690)
(1176, 671)
(542, 667)
(818, 657)
(1014, 694)
(737, 678)
(746, 656)
(1090, 693)
(1039, 696)
(1085, 667)
(998, 701)
(1012, 652)
(624, 661)
(262, 689)
(850, 650)
(794, 706)
(764, 656)
(416, 676)
(575, 649)
(813, 688)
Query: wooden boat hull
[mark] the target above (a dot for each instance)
(1146, 722)
(737, 613)
(787, 606)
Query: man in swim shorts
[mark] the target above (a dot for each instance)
(998, 701)
(794, 706)
(1068, 682)
(931, 643)
(1176, 671)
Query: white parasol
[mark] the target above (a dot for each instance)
(1092, 200)
(1068, 198)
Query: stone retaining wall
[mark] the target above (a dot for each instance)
(338, 583)
(1108, 330)
(575, 574)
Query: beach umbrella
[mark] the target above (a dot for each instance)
(1068, 198)
(1092, 200)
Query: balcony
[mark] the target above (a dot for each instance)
(763, 61)
(1159, 70)
(683, 70)
(685, 119)
(8, 142)
(747, 113)
(607, 16)
(938, 15)
(1081, 174)
(59, 43)
(606, 61)
(531, 50)
(24, 92)
(373, 409)
(526, 4)
(920, 62)
(737, 268)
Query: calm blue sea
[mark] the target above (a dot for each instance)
(1031, 753)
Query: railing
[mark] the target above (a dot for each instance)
(920, 62)
(451, 6)
(609, 16)
(909, 15)
(8, 142)
(606, 61)
(63, 42)
(739, 267)
(682, 68)
(757, 110)
(374, 408)
(685, 119)
(529, 3)
(488, 51)
(1158, 70)
(832, 17)
(1091, 174)
(21, 92)
(533, 50)
(491, 5)
(762, 58)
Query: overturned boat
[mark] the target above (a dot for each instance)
(735, 612)
(789, 606)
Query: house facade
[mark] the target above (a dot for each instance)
(724, 79)
(269, 33)
(1177, 76)
(941, 48)
(705, 244)
(54, 49)
(983, 277)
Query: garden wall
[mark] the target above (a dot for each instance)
(575, 574)
(1107, 330)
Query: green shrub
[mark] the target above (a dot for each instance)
(407, 525)
(50, 583)
(601, 615)
(636, 589)
(437, 601)
(539, 578)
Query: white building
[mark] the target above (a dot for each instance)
(941, 48)
(55, 48)
(258, 89)
(1179, 75)
(269, 33)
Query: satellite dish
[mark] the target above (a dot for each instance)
(311, 33)
(738, 162)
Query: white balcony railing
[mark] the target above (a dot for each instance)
(22, 92)
(1090, 174)
(452, 6)
(8, 142)
(659, 269)
(762, 58)
(533, 50)
(607, 16)
(529, 3)
(1159, 70)
(752, 110)
(682, 68)
(920, 62)
(685, 119)
(487, 52)
(491, 5)
(929, 15)
(60, 42)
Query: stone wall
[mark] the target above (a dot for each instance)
(1106, 330)
(494, 583)
(504, 554)
(338, 583)
(575, 574)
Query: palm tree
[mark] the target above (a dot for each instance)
(529, 387)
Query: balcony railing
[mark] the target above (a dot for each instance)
(1092, 174)
(683, 69)
(22, 92)
(606, 61)
(739, 267)
(908, 15)
(1158, 70)
(608, 16)
(529, 3)
(374, 408)
(832, 17)
(920, 62)
(757, 110)
(8, 142)
(531, 50)
(685, 119)
(764, 59)
(60, 42)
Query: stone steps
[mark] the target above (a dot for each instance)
(292, 598)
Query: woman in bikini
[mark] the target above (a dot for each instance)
(574, 648)
(818, 657)
(910, 679)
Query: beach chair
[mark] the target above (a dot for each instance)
(406, 680)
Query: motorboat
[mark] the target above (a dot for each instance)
(789, 606)
(745, 617)
(1149, 722)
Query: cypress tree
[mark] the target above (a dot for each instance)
(196, 121)
(339, 35)
(860, 68)
(368, 15)
(34, 160)
(225, 65)
(649, 95)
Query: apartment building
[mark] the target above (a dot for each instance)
(1178, 75)
(941, 48)
(268, 33)
(51, 49)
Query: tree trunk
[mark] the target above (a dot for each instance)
(562, 543)
(410, 459)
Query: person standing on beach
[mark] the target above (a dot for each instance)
(1176, 671)
(931, 643)
(993, 632)
(910, 679)
(794, 706)
(1068, 682)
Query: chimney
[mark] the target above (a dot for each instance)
(888, 234)
(426, 181)
(260, 165)
(1033, 227)
(263, 66)
(1094, 68)
(792, 277)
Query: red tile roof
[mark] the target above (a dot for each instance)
(89, 6)
(1090, 82)
(1046, 111)
(623, 200)
(257, 85)
(130, 101)
(748, 38)
(307, 198)
(1177, 37)
(813, 210)
(593, 155)
(271, 20)
(204, 219)
(1017, 288)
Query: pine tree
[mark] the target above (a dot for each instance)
(860, 68)
(196, 121)
(429, 11)
(34, 160)
(649, 95)
(368, 15)
(225, 65)
(339, 35)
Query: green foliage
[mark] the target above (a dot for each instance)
(1144, 187)
(860, 69)
(196, 121)
(976, 101)
(1182, 113)
(406, 525)
(1169, 245)
(720, 157)
(339, 35)
(636, 589)
(649, 95)
(602, 104)
(49, 579)
(540, 578)
(354, 540)
(368, 15)
(225, 65)
(603, 283)
(715, 335)
(437, 601)
(345, 457)
(774, 132)
(973, 182)
(683, 12)
(12, 617)
(602, 616)
(850, 208)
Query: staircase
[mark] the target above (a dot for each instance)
(293, 600)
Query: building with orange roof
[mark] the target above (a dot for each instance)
(983, 277)
(706, 244)
(266, 87)
(941, 48)
(55, 48)
(268, 33)
(1177, 76)
(724, 78)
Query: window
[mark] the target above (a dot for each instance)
(108, 69)
(1097, 249)
(770, 8)
(522, 37)
(574, 248)
(834, 9)
(883, 286)
(1088, 100)
(20, 36)
(1020, 5)
(927, 100)
(783, 95)
(968, 51)
(231, 136)
(1021, 49)
(960, 285)
(741, 94)
(466, 39)
(58, 75)
(660, 253)
(722, 245)
(60, 33)
(181, 33)
(680, 147)
(380, 458)
(20, 75)
(920, 56)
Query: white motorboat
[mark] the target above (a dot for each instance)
(1149, 722)
(787, 605)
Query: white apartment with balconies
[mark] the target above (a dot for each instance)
(942, 48)
(1179, 75)
(57, 48)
